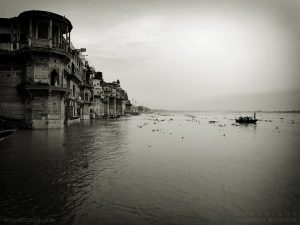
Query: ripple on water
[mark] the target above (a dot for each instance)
(104, 171)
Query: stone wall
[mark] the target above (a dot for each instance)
(111, 106)
(39, 69)
(11, 103)
(119, 107)
(99, 107)
(48, 111)
(86, 112)
(56, 111)
(39, 106)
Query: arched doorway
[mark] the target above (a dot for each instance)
(54, 78)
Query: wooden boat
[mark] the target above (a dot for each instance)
(246, 120)
(5, 133)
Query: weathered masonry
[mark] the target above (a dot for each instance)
(34, 50)
(44, 81)
(110, 98)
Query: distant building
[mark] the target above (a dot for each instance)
(99, 104)
(110, 98)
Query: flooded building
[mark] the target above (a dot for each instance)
(87, 92)
(110, 98)
(73, 73)
(45, 81)
(34, 52)
(99, 99)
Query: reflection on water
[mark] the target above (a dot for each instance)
(154, 169)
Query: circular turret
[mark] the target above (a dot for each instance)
(42, 29)
(40, 15)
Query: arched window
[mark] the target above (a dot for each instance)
(54, 78)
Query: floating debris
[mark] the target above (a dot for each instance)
(191, 116)
(212, 121)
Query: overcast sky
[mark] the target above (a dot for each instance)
(198, 55)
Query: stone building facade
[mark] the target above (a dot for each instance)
(110, 98)
(44, 81)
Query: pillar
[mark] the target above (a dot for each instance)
(11, 36)
(75, 109)
(50, 33)
(108, 107)
(58, 38)
(67, 38)
(115, 106)
(30, 31)
(18, 35)
(123, 107)
(37, 30)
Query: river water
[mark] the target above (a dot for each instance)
(175, 168)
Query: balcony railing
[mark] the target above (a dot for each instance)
(45, 43)
(47, 87)
(42, 43)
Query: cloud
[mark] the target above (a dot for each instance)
(134, 39)
(170, 53)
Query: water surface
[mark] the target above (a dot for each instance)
(155, 169)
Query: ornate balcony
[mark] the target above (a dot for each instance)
(47, 88)
(45, 45)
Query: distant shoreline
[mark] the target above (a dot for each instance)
(226, 111)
